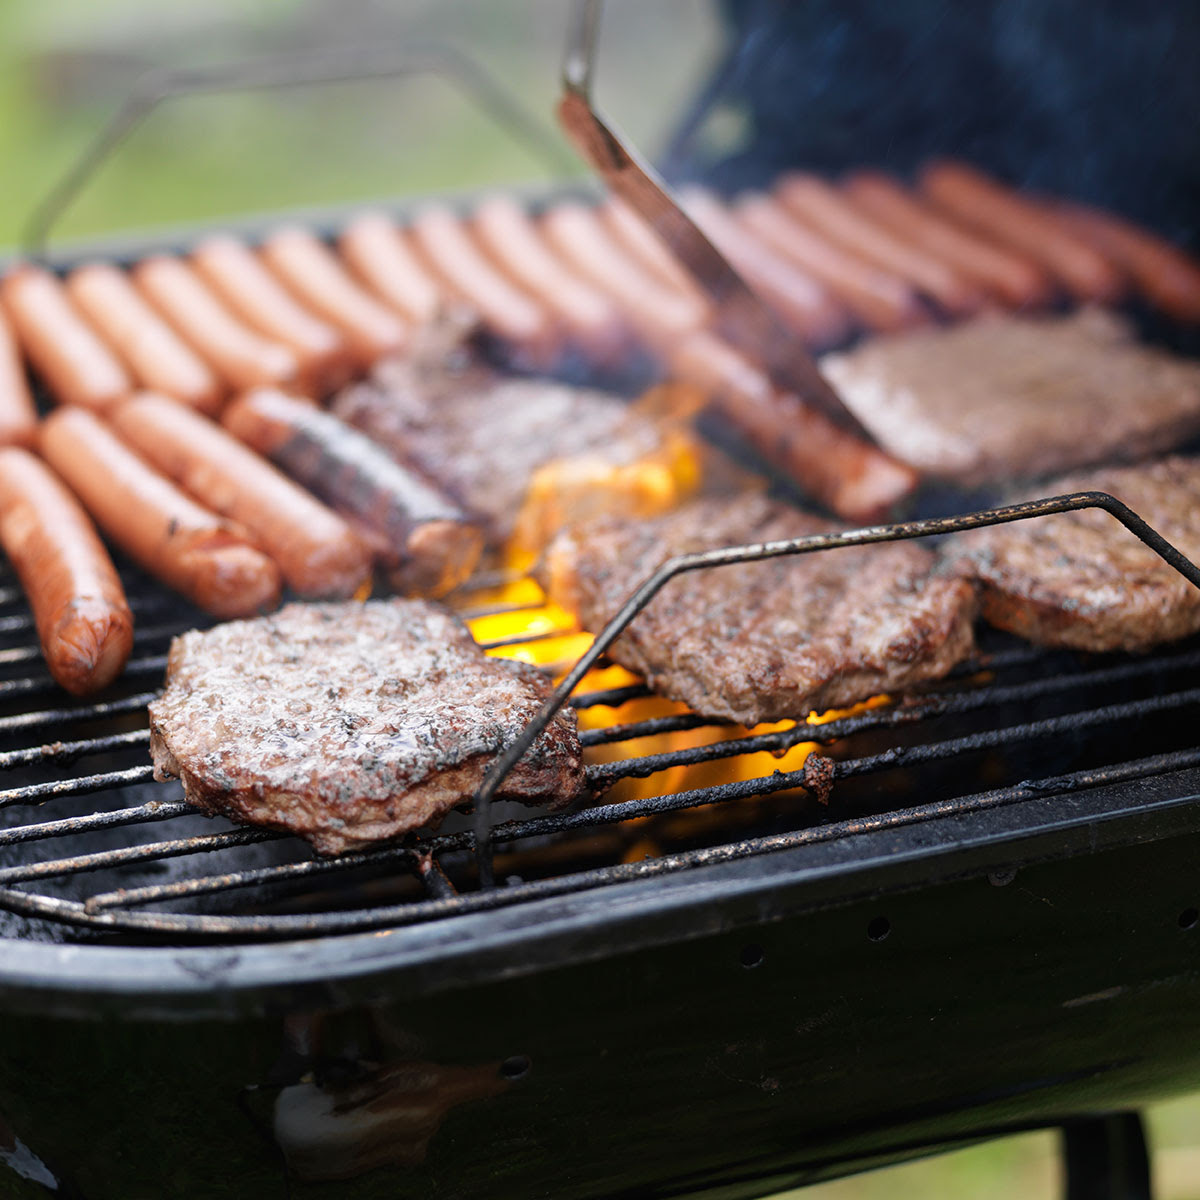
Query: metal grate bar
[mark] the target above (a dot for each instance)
(527, 639)
(612, 697)
(648, 728)
(76, 787)
(64, 752)
(152, 665)
(64, 716)
(155, 810)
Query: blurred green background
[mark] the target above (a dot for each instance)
(66, 65)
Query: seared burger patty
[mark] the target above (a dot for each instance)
(349, 724)
(1082, 579)
(771, 640)
(1017, 397)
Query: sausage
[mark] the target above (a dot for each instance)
(191, 549)
(877, 298)
(148, 346)
(18, 417)
(638, 238)
(317, 552)
(79, 607)
(507, 310)
(991, 208)
(432, 546)
(239, 355)
(1167, 276)
(76, 365)
(658, 313)
(237, 276)
(820, 206)
(377, 252)
(851, 477)
(313, 274)
(1010, 276)
(801, 302)
(508, 234)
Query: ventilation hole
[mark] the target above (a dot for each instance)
(1189, 918)
(516, 1067)
(878, 929)
(752, 956)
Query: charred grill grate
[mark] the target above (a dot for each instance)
(88, 847)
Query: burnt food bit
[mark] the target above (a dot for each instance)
(1081, 579)
(1017, 397)
(769, 640)
(349, 724)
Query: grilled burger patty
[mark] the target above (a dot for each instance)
(1082, 579)
(1017, 397)
(770, 640)
(348, 724)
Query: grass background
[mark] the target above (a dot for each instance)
(65, 66)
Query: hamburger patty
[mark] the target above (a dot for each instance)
(1081, 578)
(349, 724)
(1017, 397)
(770, 640)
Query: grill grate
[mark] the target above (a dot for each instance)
(87, 848)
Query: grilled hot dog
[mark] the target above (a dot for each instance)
(18, 418)
(379, 255)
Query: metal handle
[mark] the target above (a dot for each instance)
(756, 552)
(296, 70)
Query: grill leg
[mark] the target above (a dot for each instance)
(1105, 1158)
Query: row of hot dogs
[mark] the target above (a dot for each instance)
(189, 500)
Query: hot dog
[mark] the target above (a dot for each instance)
(315, 549)
(657, 312)
(239, 355)
(1164, 274)
(64, 349)
(800, 301)
(147, 345)
(191, 549)
(18, 418)
(234, 272)
(846, 474)
(377, 252)
(83, 621)
(313, 274)
(1010, 276)
(631, 231)
(991, 208)
(820, 206)
(878, 298)
(507, 310)
(432, 545)
(507, 233)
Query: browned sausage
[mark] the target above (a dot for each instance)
(83, 621)
(508, 234)
(634, 234)
(147, 345)
(1167, 276)
(801, 302)
(433, 546)
(238, 354)
(377, 252)
(189, 548)
(507, 310)
(1010, 276)
(315, 549)
(76, 365)
(824, 209)
(235, 273)
(877, 298)
(991, 208)
(656, 312)
(312, 272)
(18, 418)
(846, 474)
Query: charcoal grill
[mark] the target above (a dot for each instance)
(971, 913)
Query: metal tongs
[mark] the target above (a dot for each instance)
(740, 316)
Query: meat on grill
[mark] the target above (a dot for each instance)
(349, 724)
(770, 640)
(1007, 397)
(1082, 579)
(482, 436)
